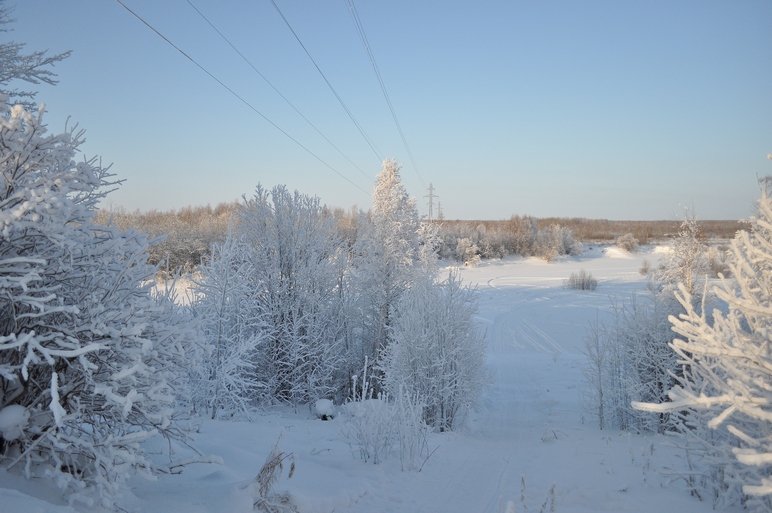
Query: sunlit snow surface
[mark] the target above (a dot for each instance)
(530, 429)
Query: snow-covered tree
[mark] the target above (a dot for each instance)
(230, 321)
(90, 361)
(32, 68)
(597, 349)
(387, 253)
(467, 252)
(554, 241)
(295, 255)
(437, 353)
(725, 389)
(686, 264)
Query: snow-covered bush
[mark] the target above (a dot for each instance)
(597, 350)
(556, 241)
(467, 252)
(411, 430)
(518, 236)
(437, 354)
(718, 257)
(581, 281)
(369, 426)
(368, 423)
(377, 428)
(628, 359)
(375, 425)
(230, 320)
(637, 359)
(521, 234)
(724, 387)
(295, 260)
(628, 242)
(96, 361)
(687, 262)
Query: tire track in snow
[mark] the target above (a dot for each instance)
(511, 330)
(514, 423)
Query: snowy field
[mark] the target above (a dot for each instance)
(530, 447)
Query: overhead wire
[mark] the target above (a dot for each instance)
(244, 58)
(235, 94)
(363, 36)
(340, 100)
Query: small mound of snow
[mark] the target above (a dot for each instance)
(664, 250)
(13, 420)
(324, 409)
(614, 252)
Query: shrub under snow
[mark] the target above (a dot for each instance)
(437, 354)
(581, 281)
(628, 242)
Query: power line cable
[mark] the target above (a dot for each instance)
(363, 36)
(274, 88)
(245, 102)
(350, 115)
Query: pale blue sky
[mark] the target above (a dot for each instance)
(619, 110)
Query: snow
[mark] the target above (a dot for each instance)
(13, 419)
(324, 408)
(529, 442)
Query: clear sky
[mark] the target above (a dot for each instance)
(598, 109)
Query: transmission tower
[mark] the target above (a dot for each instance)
(431, 197)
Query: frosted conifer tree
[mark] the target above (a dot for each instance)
(725, 386)
(90, 361)
(387, 250)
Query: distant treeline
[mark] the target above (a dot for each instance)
(189, 232)
(605, 230)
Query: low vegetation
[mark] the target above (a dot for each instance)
(627, 242)
(187, 234)
(581, 281)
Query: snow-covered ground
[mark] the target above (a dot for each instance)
(530, 443)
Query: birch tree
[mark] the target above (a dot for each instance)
(295, 253)
(230, 320)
